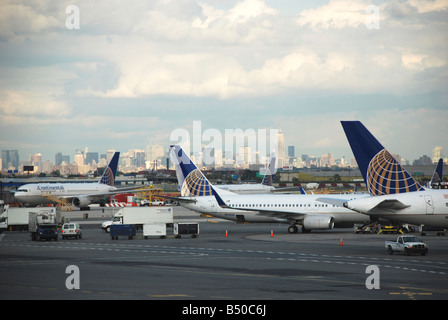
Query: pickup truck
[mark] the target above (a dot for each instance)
(407, 245)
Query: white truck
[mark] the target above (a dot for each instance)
(14, 218)
(43, 224)
(407, 245)
(140, 216)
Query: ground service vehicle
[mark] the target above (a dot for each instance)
(71, 230)
(13, 218)
(43, 224)
(138, 216)
(156, 229)
(186, 229)
(126, 230)
(407, 245)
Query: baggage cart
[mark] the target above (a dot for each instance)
(126, 230)
(154, 229)
(186, 229)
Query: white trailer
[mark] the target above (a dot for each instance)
(13, 218)
(140, 216)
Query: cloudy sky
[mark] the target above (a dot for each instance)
(136, 70)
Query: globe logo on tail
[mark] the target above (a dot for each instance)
(386, 176)
(108, 177)
(196, 185)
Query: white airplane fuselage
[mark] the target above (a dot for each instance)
(35, 193)
(297, 206)
(428, 207)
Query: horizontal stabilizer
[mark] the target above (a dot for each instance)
(390, 204)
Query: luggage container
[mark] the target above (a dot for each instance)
(157, 229)
(126, 230)
(186, 229)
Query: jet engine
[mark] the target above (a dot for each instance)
(81, 202)
(318, 222)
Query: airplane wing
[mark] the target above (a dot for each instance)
(336, 202)
(180, 199)
(101, 195)
(286, 189)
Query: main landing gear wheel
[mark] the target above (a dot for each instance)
(293, 229)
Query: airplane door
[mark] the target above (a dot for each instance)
(212, 205)
(429, 205)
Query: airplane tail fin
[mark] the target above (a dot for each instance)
(437, 175)
(381, 172)
(268, 177)
(192, 182)
(110, 172)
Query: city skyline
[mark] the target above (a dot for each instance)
(122, 76)
(154, 156)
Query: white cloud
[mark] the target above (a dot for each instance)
(337, 14)
(17, 19)
(17, 104)
(223, 52)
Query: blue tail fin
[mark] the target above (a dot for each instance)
(437, 175)
(381, 172)
(192, 183)
(268, 177)
(110, 172)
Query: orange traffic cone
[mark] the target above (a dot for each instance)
(227, 234)
(342, 243)
(272, 233)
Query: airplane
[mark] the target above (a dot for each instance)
(396, 196)
(79, 194)
(264, 187)
(198, 194)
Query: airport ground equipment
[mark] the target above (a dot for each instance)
(43, 224)
(180, 229)
(407, 245)
(14, 218)
(71, 230)
(154, 229)
(125, 230)
(390, 229)
(370, 227)
(138, 216)
(424, 229)
(64, 203)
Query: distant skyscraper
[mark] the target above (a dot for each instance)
(10, 158)
(281, 149)
(437, 153)
(92, 156)
(58, 158)
(291, 151)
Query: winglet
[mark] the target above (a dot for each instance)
(381, 172)
(110, 172)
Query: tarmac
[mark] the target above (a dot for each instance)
(227, 262)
